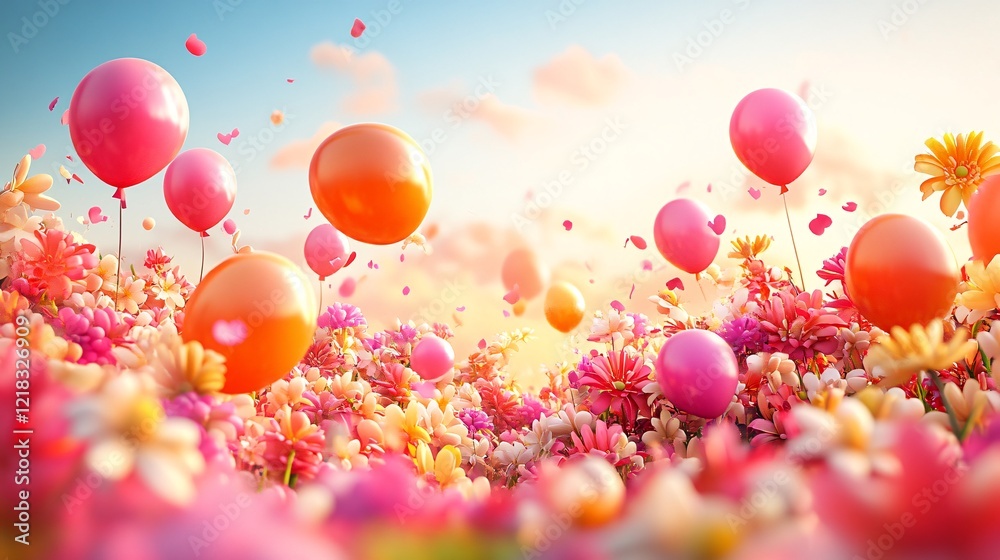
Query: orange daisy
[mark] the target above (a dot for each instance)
(957, 167)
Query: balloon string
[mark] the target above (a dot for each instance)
(791, 232)
(118, 278)
(320, 295)
(697, 280)
(201, 275)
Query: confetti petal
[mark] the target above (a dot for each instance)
(95, 216)
(675, 284)
(351, 257)
(960, 215)
(852, 206)
(512, 296)
(822, 192)
(246, 211)
(402, 257)
(229, 226)
(754, 193)
(568, 225)
(683, 186)
(481, 344)
(406, 290)
(65, 174)
(647, 264)
(37, 152)
(617, 306)
(309, 213)
(64, 119)
(229, 333)
(639, 242)
(710, 187)
(819, 224)
(290, 80)
(77, 178)
(460, 309)
(235, 132)
(632, 291)
(224, 138)
(195, 45)
(52, 104)
(718, 225)
(69, 158)
(358, 28)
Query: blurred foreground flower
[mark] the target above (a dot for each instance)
(905, 353)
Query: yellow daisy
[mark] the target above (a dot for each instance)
(982, 290)
(747, 248)
(957, 167)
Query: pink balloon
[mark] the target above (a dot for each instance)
(128, 119)
(327, 250)
(773, 132)
(697, 372)
(683, 236)
(432, 358)
(200, 188)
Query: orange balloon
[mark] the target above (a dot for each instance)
(372, 182)
(519, 308)
(900, 272)
(259, 311)
(984, 227)
(524, 268)
(564, 306)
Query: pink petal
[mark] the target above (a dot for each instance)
(358, 28)
(819, 224)
(195, 46)
(852, 206)
(675, 284)
(755, 193)
(513, 295)
(52, 104)
(308, 213)
(37, 152)
(568, 225)
(229, 333)
(718, 225)
(822, 192)
(639, 242)
(229, 226)
(406, 290)
(617, 306)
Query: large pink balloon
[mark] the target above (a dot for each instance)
(327, 250)
(432, 358)
(773, 132)
(128, 119)
(683, 236)
(200, 188)
(697, 372)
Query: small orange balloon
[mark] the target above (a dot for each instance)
(564, 306)
(259, 311)
(519, 308)
(148, 224)
(524, 268)
(589, 491)
(900, 272)
(984, 227)
(372, 182)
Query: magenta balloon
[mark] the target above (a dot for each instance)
(697, 372)
(773, 132)
(683, 236)
(324, 246)
(200, 188)
(128, 119)
(432, 358)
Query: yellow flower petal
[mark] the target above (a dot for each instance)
(950, 201)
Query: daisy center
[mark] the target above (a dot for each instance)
(961, 171)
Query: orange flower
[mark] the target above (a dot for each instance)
(957, 168)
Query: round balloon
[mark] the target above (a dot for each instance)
(683, 235)
(697, 372)
(523, 267)
(326, 250)
(432, 358)
(200, 188)
(372, 182)
(564, 306)
(128, 118)
(773, 133)
(984, 227)
(259, 311)
(900, 271)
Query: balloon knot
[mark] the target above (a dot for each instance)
(120, 195)
(784, 189)
(204, 234)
